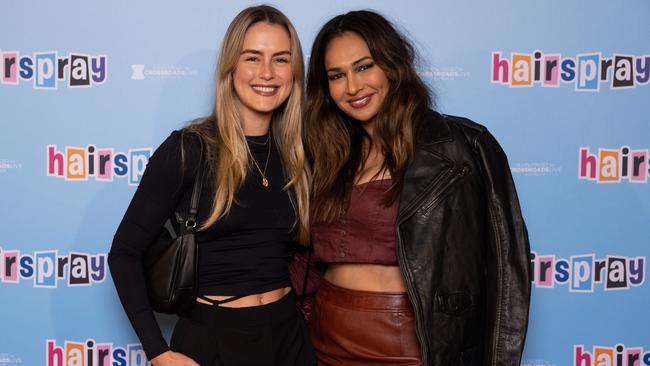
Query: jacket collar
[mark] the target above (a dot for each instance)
(432, 129)
(428, 166)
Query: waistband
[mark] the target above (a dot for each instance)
(274, 312)
(363, 300)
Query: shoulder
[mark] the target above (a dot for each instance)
(182, 137)
(434, 127)
(181, 143)
(464, 125)
(178, 155)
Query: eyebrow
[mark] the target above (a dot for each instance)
(256, 52)
(335, 69)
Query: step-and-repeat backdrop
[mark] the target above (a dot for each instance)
(89, 89)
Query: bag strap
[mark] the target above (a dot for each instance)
(190, 221)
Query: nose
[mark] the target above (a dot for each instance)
(354, 84)
(266, 70)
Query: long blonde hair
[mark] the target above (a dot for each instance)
(226, 149)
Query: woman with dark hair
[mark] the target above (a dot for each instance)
(253, 205)
(415, 216)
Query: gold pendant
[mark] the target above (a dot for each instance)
(265, 182)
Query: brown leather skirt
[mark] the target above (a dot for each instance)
(356, 328)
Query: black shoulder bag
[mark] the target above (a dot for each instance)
(171, 262)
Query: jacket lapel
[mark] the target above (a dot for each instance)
(428, 166)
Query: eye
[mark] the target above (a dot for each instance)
(333, 77)
(282, 60)
(365, 67)
(251, 59)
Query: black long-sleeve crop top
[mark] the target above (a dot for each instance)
(243, 253)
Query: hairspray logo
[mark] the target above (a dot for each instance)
(585, 71)
(102, 164)
(613, 165)
(620, 355)
(90, 353)
(47, 70)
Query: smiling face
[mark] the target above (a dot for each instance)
(263, 76)
(357, 85)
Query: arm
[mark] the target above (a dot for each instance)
(509, 257)
(305, 277)
(161, 188)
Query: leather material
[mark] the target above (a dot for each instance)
(362, 328)
(463, 246)
(364, 234)
(171, 271)
(171, 263)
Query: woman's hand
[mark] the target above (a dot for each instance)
(171, 358)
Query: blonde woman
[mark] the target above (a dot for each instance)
(254, 203)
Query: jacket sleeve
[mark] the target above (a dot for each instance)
(508, 274)
(155, 199)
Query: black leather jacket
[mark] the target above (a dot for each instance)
(463, 247)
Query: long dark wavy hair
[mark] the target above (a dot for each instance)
(335, 140)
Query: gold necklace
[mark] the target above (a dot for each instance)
(265, 182)
(258, 143)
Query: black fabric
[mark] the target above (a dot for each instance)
(171, 261)
(219, 302)
(246, 251)
(462, 247)
(243, 253)
(266, 335)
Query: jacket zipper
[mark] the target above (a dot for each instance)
(406, 273)
(443, 190)
(415, 300)
(497, 320)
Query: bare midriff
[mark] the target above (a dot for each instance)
(250, 300)
(365, 277)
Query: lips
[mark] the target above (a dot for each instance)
(360, 101)
(265, 90)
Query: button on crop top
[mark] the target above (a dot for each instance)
(365, 234)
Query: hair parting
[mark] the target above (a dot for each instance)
(337, 162)
(225, 145)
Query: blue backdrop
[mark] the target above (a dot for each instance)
(88, 89)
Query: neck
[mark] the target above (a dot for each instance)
(369, 127)
(254, 123)
(374, 154)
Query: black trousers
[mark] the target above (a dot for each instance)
(268, 335)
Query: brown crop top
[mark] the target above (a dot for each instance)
(365, 234)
